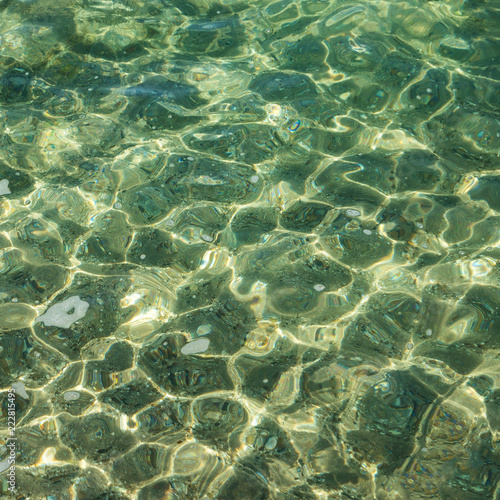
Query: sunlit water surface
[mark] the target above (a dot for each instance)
(249, 250)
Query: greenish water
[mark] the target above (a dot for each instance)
(249, 250)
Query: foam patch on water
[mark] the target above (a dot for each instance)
(196, 347)
(4, 187)
(59, 314)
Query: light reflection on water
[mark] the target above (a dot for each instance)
(249, 250)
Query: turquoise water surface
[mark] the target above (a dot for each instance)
(249, 250)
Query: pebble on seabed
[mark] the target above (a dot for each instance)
(319, 288)
(71, 395)
(4, 187)
(206, 237)
(195, 347)
(5, 464)
(353, 213)
(204, 330)
(20, 389)
(58, 314)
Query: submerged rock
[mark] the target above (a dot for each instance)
(196, 347)
(65, 313)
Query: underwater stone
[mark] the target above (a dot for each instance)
(71, 395)
(30, 283)
(196, 347)
(100, 321)
(77, 405)
(21, 353)
(203, 330)
(20, 389)
(61, 315)
(4, 187)
(62, 67)
(5, 464)
(353, 213)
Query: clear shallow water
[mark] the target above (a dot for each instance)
(250, 250)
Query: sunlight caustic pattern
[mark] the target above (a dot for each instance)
(249, 250)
